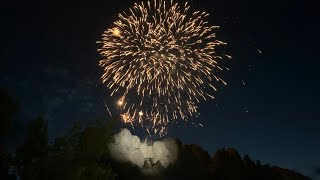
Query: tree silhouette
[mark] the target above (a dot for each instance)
(82, 155)
(32, 156)
(248, 163)
(228, 164)
(7, 110)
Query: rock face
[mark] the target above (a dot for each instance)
(128, 148)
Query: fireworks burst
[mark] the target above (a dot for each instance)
(159, 59)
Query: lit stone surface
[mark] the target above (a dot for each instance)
(128, 148)
(146, 150)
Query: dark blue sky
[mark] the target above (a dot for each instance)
(49, 64)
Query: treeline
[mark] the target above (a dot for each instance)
(225, 164)
(195, 163)
(76, 155)
(83, 154)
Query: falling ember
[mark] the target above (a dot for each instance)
(120, 102)
(159, 59)
(243, 82)
(116, 32)
(259, 51)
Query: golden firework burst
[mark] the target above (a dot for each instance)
(159, 59)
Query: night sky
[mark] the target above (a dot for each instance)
(269, 110)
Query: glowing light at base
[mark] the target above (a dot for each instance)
(128, 148)
(159, 60)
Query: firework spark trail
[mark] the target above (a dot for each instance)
(160, 60)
